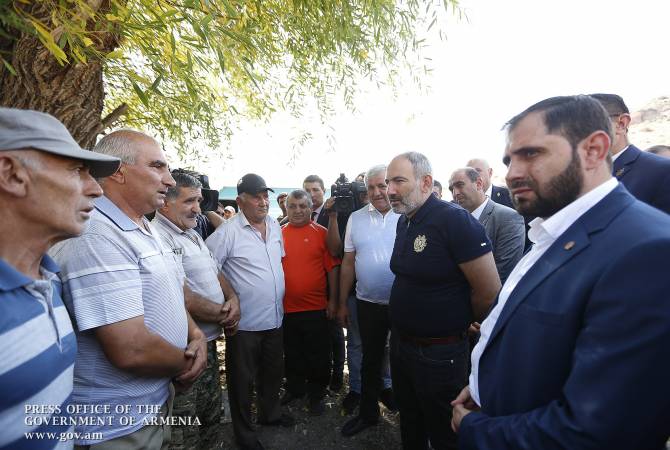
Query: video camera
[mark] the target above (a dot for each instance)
(347, 194)
(210, 197)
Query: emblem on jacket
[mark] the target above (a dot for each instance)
(420, 243)
(619, 172)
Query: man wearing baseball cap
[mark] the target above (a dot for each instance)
(248, 249)
(47, 188)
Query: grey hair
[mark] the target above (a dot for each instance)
(299, 194)
(419, 162)
(182, 180)
(118, 144)
(374, 171)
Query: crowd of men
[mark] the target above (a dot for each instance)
(534, 316)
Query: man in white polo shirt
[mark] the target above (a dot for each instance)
(204, 294)
(124, 291)
(368, 246)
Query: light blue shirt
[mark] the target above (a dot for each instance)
(371, 235)
(253, 268)
(36, 360)
(116, 271)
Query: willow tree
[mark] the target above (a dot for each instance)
(189, 68)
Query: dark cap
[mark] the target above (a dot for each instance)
(22, 129)
(252, 184)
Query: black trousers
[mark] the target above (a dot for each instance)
(307, 353)
(254, 357)
(337, 348)
(426, 378)
(373, 324)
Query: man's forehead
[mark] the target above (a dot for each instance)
(457, 176)
(528, 130)
(297, 200)
(187, 192)
(399, 167)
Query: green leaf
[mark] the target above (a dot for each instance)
(141, 94)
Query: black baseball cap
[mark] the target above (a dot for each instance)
(252, 184)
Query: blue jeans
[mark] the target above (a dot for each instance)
(355, 351)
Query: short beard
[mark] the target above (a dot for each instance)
(561, 190)
(408, 203)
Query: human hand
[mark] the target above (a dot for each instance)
(230, 312)
(328, 206)
(463, 405)
(197, 352)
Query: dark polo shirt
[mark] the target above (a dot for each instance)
(430, 295)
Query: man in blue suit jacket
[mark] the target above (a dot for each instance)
(645, 175)
(574, 355)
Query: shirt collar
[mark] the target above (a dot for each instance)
(489, 191)
(424, 209)
(10, 278)
(478, 212)
(113, 213)
(615, 157)
(556, 225)
(245, 222)
(160, 218)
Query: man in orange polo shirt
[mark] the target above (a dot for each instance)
(311, 276)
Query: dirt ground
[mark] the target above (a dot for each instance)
(309, 432)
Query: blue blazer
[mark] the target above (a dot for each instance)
(501, 195)
(580, 355)
(646, 176)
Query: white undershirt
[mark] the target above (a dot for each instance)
(478, 212)
(543, 233)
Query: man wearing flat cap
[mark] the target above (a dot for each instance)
(47, 188)
(248, 249)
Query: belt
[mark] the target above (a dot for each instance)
(454, 338)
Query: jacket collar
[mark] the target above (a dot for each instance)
(629, 156)
(572, 242)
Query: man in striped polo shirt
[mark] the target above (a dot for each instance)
(46, 195)
(210, 300)
(124, 290)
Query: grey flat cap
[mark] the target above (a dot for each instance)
(27, 129)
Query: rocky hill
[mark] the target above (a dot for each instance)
(651, 124)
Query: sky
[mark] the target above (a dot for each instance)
(506, 56)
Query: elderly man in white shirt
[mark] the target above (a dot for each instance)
(248, 249)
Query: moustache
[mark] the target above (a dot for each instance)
(521, 184)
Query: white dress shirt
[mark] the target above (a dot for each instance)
(478, 212)
(543, 233)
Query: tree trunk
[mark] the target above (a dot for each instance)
(74, 93)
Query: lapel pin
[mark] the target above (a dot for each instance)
(569, 245)
(619, 172)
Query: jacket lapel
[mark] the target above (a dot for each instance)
(623, 163)
(486, 212)
(573, 241)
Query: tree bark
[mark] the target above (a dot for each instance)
(74, 93)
